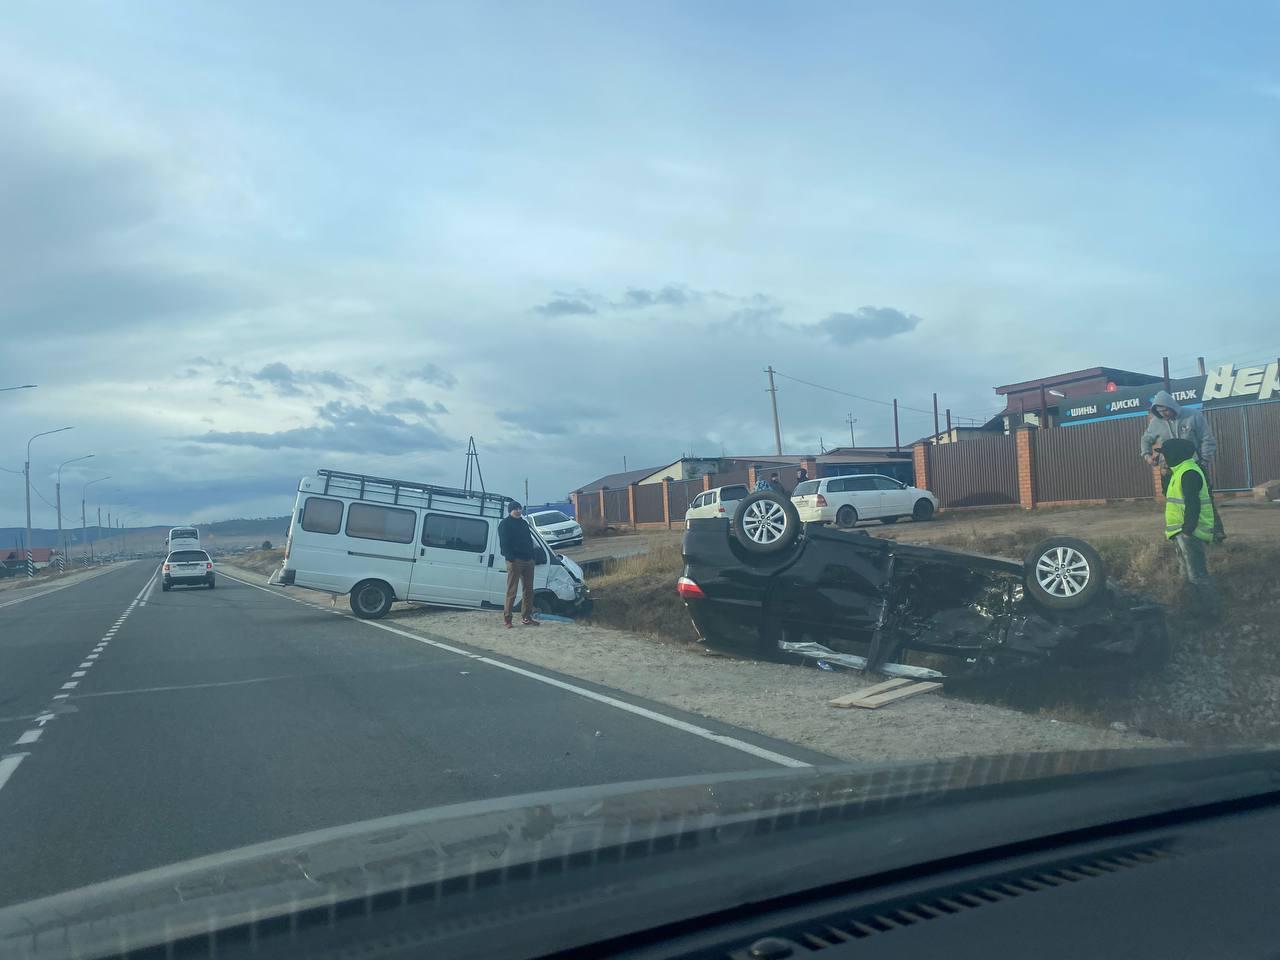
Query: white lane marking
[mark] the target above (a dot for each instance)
(71, 685)
(8, 765)
(29, 736)
(87, 663)
(44, 718)
(61, 696)
(725, 741)
(76, 675)
(92, 656)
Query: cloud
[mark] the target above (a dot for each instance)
(757, 313)
(343, 428)
(288, 382)
(415, 406)
(79, 250)
(564, 307)
(668, 296)
(433, 374)
(555, 420)
(867, 323)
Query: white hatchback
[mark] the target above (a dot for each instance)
(557, 528)
(719, 502)
(846, 500)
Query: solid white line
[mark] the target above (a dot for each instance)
(8, 765)
(725, 741)
(71, 685)
(54, 589)
(30, 736)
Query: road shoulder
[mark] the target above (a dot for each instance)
(782, 702)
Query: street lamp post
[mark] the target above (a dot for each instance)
(84, 532)
(26, 473)
(62, 545)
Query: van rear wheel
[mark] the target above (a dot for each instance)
(371, 599)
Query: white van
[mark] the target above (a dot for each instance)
(183, 538)
(384, 540)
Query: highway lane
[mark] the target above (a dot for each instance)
(173, 725)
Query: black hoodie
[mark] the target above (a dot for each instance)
(1175, 452)
(516, 539)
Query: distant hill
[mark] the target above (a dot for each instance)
(225, 533)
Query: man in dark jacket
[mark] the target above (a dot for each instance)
(1188, 520)
(776, 485)
(515, 539)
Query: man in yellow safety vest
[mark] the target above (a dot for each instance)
(1188, 520)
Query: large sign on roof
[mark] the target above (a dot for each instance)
(1226, 385)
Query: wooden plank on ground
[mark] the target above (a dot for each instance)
(901, 693)
(850, 699)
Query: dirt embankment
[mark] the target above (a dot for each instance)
(1221, 684)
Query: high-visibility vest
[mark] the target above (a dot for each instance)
(1175, 506)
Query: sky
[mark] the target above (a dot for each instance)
(243, 241)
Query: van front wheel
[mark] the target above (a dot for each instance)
(371, 599)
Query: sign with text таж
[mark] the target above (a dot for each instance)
(1225, 385)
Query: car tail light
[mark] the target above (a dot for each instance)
(689, 590)
(820, 501)
(208, 566)
(722, 510)
(166, 568)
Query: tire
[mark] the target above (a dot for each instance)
(888, 519)
(1064, 573)
(210, 584)
(546, 602)
(766, 523)
(164, 588)
(922, 511)
(846, 517)
(371, 599)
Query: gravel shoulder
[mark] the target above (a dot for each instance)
(785, 702)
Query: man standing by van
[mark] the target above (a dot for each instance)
(515, 539)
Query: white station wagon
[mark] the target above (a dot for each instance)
(846, 500)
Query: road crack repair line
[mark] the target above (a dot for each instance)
(31, 736)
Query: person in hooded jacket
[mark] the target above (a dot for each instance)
(1188, 521)
(1172, 422)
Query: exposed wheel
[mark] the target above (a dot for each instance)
(164, 588)
(923, 510)
(846, 517)
(1064, 573)
(371, 599)
(210, 584)
(766, 522)
(546, 602)
(888, 519)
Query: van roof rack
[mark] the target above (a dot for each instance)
(386, 490)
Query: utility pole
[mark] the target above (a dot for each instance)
(851, 420)
(936, 428)
(773, 397)
(526, 492)
(26, 476)
(897, 444)
(97, 531)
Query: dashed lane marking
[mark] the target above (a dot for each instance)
(29, 736)
(8, 765)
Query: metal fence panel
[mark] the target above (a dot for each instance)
(649, 503)
(681, 492)
(1264, 443)
(978, 471)
(1230, 469)
(589, 510)
(1097, 461)
(617, 509)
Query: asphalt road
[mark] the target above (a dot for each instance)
(141, 728)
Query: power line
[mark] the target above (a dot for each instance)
(858, 396)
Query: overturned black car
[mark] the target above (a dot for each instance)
(770, 587)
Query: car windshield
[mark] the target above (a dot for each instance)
(880, 386)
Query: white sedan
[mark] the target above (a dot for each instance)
(558, 529)
(846, 500)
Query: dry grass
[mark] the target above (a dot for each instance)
(639, 594)
(260, 561)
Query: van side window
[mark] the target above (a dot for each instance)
(455, 533)
(369, 522)
(320, 515)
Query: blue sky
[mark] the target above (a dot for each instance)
(239, 241)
